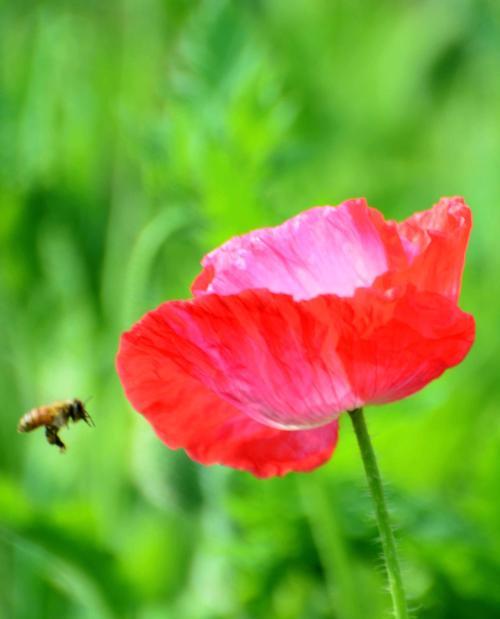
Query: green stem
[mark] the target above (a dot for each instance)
(384, 525)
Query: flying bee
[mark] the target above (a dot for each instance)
(54, 417)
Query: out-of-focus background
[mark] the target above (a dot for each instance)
(134, 136)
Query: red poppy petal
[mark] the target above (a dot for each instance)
(265, 354)
(434, 242)
(397, 346)
(203, 280)
(320, 251)
(185, 413)
(296, 365)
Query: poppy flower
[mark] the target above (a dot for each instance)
(290, 326)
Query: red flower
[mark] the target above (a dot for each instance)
(290, 326)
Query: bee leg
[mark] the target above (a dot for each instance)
(53, 437)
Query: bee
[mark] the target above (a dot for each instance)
(54, 417)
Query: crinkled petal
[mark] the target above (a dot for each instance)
(155, 371)
(395, 344)
(265, 354)
(336, 250)
(299, 364)
(435, 242)
(322, 250)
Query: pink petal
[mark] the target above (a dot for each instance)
(323, 250)
(336, 250)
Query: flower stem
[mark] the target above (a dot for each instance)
(382, 514)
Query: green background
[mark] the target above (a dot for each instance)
(134, 136)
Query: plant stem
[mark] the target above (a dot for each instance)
(382, 514)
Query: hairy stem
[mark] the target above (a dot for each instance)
(382, 514)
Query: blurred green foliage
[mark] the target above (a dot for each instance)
(135, 135)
